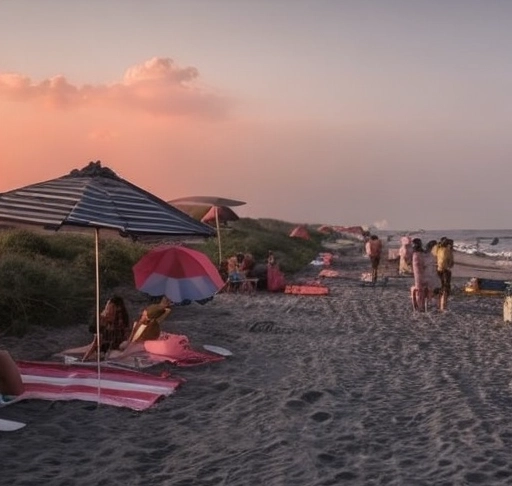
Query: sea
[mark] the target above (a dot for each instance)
(492, 243)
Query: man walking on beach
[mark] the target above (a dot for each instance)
(445, 263)
(374, 251)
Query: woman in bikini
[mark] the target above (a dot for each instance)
(114, 327)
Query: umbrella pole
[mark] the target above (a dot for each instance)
(98, 337)
(218, 233)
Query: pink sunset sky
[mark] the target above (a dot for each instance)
(393, 113)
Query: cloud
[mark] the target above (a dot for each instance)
(160, 69)
(158, 86)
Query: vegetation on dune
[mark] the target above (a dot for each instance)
(50, 278)
(257, 236)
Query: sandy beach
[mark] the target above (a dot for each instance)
(349, 388)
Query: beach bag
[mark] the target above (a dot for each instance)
(306, 290)
(168, 345)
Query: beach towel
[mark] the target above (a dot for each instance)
(328, 273)
(306, 290)
(485, 286)
(171, 348)
(120, 388)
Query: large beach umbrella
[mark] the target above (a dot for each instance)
(97, 198)
(180, 273)
(214, 201)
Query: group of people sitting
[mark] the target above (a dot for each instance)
(241, 267)
(116, 335)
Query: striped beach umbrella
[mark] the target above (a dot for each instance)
(96, 197)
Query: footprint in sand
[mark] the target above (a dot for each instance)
(320, 416)
(312, 396)
(222, 386)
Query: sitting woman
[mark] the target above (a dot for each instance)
(11, 384)
(114, 327)
(248, 264)
(235, 273)
(275, 278)
(147, 328)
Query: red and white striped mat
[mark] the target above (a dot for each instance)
(117, 387)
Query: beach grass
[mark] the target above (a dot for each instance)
(49, 278)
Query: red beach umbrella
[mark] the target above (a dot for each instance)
(326, 229)
(215, 201)
(222, 213)
(300, 232)
(181, 274)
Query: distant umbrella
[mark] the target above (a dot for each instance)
(223, 213)
(197, 212)
(300, 232)
(353, 230)
(326, 229)
(214, 201)
(208, 201)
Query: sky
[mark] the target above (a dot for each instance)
(392, 113)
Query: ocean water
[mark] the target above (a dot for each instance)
(492, 243)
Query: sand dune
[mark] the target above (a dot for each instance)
(351, 388)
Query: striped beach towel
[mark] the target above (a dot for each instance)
(117, 387)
